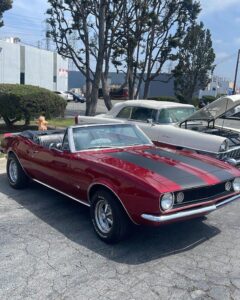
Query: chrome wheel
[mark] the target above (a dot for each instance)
(13, 171)
(103, 216)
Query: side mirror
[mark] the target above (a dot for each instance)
(150, 121)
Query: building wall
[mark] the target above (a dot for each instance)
(28, 65)
(62, 74)
(162, 86)
(217, 86)
(9, 63)
(39, 67)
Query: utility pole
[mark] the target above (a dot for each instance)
(47, 36)
(236, 73)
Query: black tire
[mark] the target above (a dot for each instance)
(120, 221)
(19, 179)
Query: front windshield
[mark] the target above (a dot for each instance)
(174, 114)
(108, 136)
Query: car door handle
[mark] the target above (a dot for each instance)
(35, 151)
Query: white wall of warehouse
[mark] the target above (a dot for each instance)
(62, 74)
(9, 63)
(39, 67)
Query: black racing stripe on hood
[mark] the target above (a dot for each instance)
(184, 179)
(218, 172)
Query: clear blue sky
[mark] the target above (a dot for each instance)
(222, 17)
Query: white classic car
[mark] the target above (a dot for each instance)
(178, 125)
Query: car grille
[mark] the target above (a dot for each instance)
(202, 194)
(230, 154)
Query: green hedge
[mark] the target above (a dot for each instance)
(209, 99)
(25, 102)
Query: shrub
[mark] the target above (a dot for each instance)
(209, 99)
(164, 98)
(25, 102)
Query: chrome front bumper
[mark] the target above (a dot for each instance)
(188, 213)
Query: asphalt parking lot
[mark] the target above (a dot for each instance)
(48, 250)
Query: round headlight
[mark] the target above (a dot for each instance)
(236, 184)
(167, 201)
(224, 146)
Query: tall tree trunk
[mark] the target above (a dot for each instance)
(146, 89)
(94, 100)
(130, 81)
(88, 73)
(100, 58)
(106, 92)
(88, 96)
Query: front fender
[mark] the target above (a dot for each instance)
(135, 201)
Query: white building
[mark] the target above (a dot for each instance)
(23, 64)
(217, 86)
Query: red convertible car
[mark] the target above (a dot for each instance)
(117, 171)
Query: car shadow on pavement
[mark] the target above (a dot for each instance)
(73, 221)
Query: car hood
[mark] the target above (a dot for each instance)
(215, 109)
(166, 169)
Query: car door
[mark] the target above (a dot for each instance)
(53, 166)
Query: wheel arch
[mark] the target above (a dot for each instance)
(11, 152)
(102, 186)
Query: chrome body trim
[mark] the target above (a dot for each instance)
(73, 198)
(106, 186)
(223, 155)
(220, 204)
(188, 213)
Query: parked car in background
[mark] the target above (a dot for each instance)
(220, 118)
(167, 123)
(65, 95)
(77, 97)
(116, 171)
(115, 93)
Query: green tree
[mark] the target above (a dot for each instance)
(196, 63)
(4, 5)
(152, 32)
(85, 31)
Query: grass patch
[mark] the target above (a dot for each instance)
(61, 122)
(2, 155)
